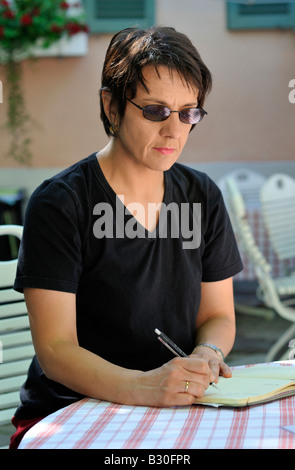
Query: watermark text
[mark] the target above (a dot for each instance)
(173, 221)
(151, 459)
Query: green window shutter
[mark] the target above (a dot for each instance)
(109, 16)
(260, 15)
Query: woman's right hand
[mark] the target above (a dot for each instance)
(167, 385)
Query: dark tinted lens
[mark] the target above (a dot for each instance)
(156, 113)
(191, 115)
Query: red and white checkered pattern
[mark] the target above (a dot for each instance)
(94, 424)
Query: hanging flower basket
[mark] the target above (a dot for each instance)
(25, 25)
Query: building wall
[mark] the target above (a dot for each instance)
(250, 117)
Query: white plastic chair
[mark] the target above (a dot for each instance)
(16, 348)
(272, 291)
(278, 211)
(248, 183)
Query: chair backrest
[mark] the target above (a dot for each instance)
(278, 210)
(248, 182)
(242, 227)
(16, 348)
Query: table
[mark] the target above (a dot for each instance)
(94, 424)
(97, 424)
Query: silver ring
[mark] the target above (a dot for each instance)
(186, 386)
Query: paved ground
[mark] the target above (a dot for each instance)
(255, 335)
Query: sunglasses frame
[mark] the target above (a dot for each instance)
(161, 120)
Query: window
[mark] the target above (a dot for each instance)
(108, 16)
(260, 14)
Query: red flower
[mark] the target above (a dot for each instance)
(8, 14)
(25, 20)
(36, 12)
(1, 32)
(55, 29)
(64, 5)
(73, 28)
(4, 3)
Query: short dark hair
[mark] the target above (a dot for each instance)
(132, 49)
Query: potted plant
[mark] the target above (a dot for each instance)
(25, 24)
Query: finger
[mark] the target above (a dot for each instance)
(215, 368)
(196, 389)
(197, 365)
(184, 399)
(203, 380)
(202, 373)
(193, 370)
(225, 370)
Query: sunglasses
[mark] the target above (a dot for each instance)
(157, 112)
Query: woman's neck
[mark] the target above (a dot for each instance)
(127, 177)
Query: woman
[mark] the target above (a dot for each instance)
(126, 241)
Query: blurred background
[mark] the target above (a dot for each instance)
(250, 118)
(249, 46)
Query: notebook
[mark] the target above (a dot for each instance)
(249, 385)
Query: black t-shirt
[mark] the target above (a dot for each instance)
(80, 238)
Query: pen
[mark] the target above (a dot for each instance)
(174, 348)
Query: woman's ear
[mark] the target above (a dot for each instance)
(106, 98)
(109, 110)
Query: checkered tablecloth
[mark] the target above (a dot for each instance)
(95, 424)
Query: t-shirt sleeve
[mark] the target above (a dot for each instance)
(50, 250)
(221, 258)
